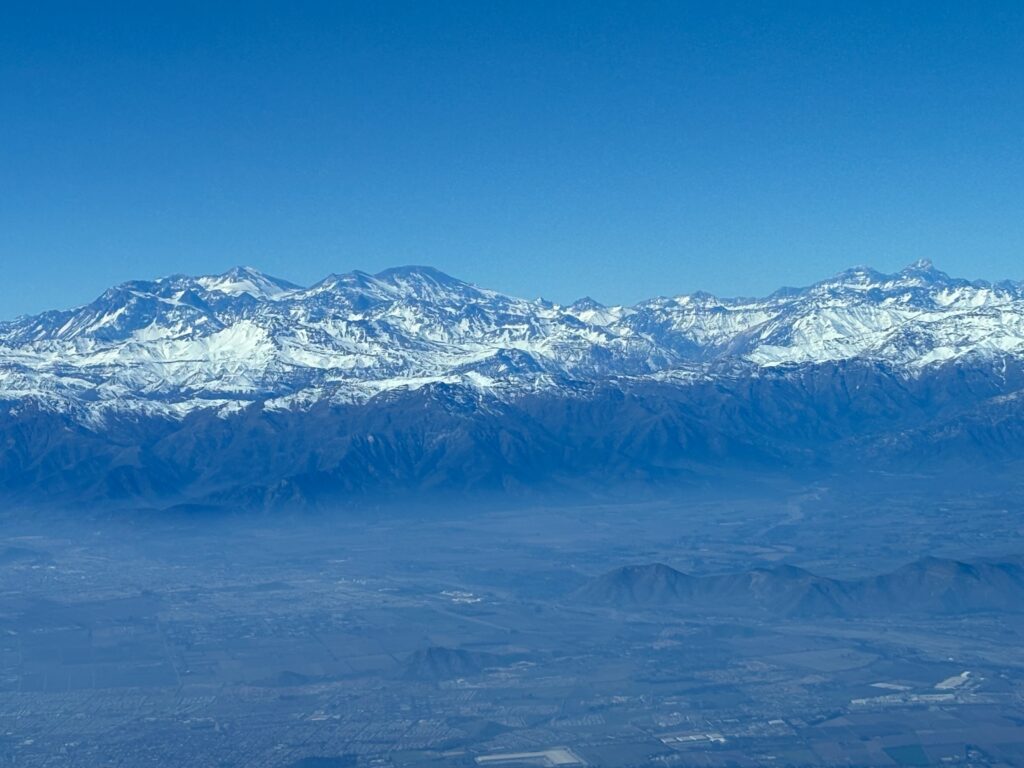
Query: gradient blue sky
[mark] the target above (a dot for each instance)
(620, 150)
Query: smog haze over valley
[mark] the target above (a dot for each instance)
(614, 384)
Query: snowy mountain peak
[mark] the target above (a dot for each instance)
(415, 274)
(247, 280)
(858, 277)
(425, 283)
(586, 304)
(923, 272)
(920, 274)
(176, 344)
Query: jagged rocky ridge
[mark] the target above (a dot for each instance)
(928, 586)
(244, 390)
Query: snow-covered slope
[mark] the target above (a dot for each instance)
(178, 344)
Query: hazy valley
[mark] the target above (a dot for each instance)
(465, 639)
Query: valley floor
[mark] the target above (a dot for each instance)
(443, 640)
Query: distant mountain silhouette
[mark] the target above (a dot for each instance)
(930, 585)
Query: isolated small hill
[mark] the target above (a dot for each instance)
(440, 663)
(930, 585)
(936, 585)
(786, 590)
(651, 584)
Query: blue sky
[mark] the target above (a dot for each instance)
(620, 150)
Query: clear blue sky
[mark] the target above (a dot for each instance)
(620, 150)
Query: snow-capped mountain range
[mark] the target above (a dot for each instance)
(243, 391)
(179, 344)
